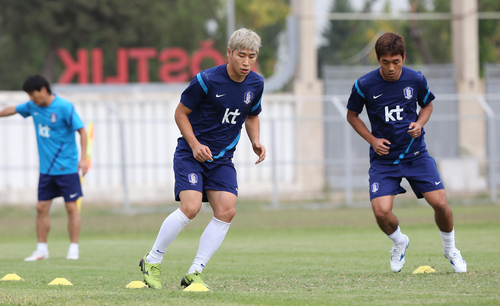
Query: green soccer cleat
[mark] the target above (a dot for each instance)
(193, 278)
(151, 273)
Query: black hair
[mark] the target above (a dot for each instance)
(36, 82)
(390, 44)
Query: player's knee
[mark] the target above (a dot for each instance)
(190, 211)
(230, 213)
(225, 215)
(381, 214)
(71, 207)
(440, 204)
(42, 208)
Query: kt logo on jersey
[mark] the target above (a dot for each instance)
(43, 130)
(233, 115)
(390, 113)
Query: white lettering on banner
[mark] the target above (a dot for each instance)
(388, 113)
(43, 130)
(235, 114)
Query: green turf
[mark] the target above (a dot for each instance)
(288, 257)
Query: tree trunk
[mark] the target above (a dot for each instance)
(50, 58)
(416, 36)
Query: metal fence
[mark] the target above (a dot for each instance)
(309, 156)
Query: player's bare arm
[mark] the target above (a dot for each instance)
(380, 145)
(8, 111)
(252, 125)
(82, 164)
(201, 152)
(415, 128)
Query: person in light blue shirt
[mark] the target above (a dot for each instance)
(56, 121)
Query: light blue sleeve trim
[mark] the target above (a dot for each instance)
(256, 105)
(235, 141)
(428, 92)
(402, 155)
(200, 80)
(359, 90)
(427, 96)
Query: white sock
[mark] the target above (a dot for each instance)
(397, 237)
(73, 248)
(210, 241)
(448, 240)
(169, 230)
(42, 247)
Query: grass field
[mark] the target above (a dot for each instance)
(287, 257)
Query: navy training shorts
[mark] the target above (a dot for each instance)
(422, 174)
(190, 174)
(53, 186)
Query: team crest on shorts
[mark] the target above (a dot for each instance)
(375, 187)
(408, 92)
(53, 117)
(248, 97)
(193, 178)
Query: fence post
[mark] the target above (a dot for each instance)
(347, 152)
(126, 200)
(492, 147)
(274, 165)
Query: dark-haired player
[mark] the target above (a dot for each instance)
(56, 121)
(390, 95)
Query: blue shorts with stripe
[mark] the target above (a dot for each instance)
(422, 174)
(52, 186)
(190, 174)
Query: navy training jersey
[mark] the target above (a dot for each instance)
(391, 107)
(219, 108)
(55, 127)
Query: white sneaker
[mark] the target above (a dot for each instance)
(458, 263)
(72, 255)
(37, 255)
(398, 255)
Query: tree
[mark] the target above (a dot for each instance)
(428, 41)
(345, 38)
(489, 34)
(32, 30)
(267, 18)
(435, 41)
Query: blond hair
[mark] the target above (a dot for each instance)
(244, 39)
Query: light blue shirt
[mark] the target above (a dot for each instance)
(55, 127)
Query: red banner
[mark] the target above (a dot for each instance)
(176, 65)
